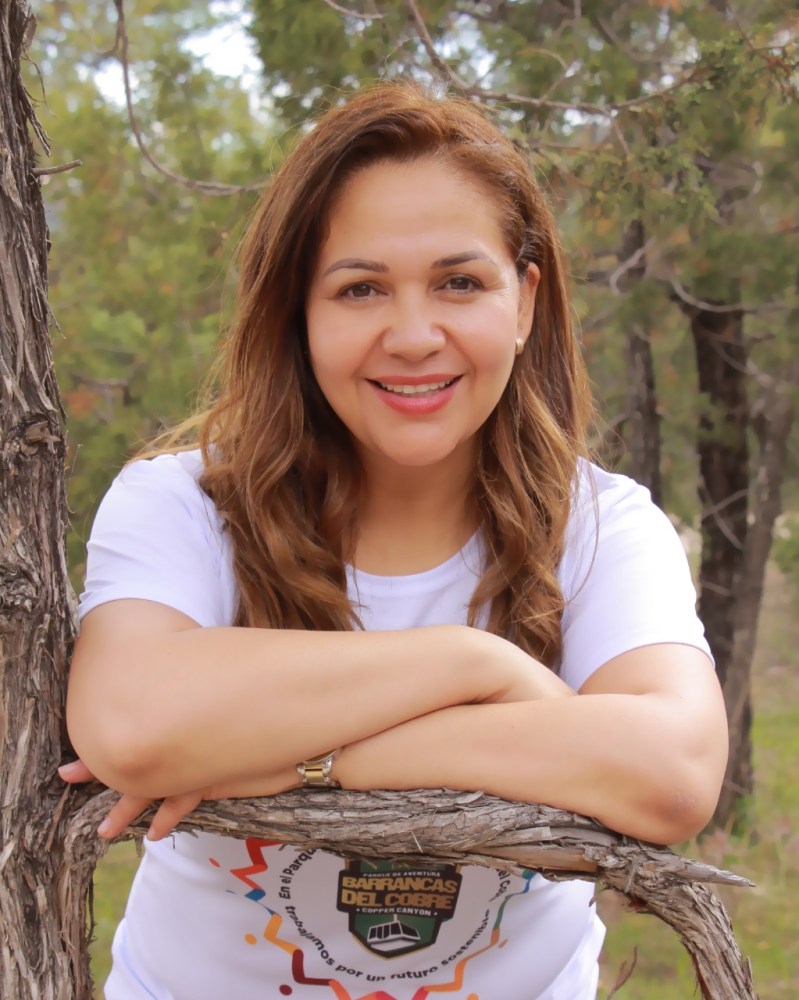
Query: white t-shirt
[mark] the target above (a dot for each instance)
(212, 917)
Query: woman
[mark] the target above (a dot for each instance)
(387, 566)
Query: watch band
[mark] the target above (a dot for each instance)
(315, 772)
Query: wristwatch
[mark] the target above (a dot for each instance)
(315, 772)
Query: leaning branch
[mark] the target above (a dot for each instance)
(473, 828)
(206, 187)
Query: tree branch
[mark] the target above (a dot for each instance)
(627, 265)
(445, 71)
(473, 828)
(607, 111)
(60, 169)
(352, 13)
(682, 293)
(206, 187)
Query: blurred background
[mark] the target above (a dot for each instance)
(666, 133)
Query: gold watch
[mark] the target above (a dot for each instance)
(315, 772)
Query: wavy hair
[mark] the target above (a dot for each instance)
(280, 465)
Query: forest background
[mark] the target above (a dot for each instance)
(667, 134)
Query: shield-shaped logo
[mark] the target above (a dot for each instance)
(395, 909)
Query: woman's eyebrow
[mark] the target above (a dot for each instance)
(452, 260)
(461, 258)
(355, 264)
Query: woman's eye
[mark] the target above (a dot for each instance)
(461, 283)
(362, 290)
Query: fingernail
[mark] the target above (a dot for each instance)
(104, 828)
(67, 770)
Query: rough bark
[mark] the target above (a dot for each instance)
(35, 599)
(723, 450)
(771, 418)
(436, 824)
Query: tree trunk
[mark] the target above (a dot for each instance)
(642, 423)
(723, 490)
(48, 845)
(36, 621)
(772, 417)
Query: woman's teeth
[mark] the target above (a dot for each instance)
(415, 390)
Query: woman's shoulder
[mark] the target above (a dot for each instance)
(599, 490)
(157, 536)
(611, 513)
(179, 470)
(160, 493)
(602, 499)
(172, 478)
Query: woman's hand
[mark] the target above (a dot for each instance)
(174, 808)
(527, 679)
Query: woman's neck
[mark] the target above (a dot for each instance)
(411, 520)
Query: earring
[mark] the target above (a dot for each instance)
(519, 346)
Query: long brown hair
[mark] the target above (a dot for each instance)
(280, 465)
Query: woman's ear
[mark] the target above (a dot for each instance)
(528, 286)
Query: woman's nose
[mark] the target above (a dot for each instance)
(413, 332)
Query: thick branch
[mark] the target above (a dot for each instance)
(436, 825)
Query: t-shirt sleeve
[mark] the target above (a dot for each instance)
(625, 578)
(158, 537)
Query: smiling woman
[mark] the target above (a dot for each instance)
(389, 542)
(413, 318)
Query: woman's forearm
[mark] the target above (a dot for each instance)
(178, 710)
(634, 762)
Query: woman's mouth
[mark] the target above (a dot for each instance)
(414, 391)
(416, 397)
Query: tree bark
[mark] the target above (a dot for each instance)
(723, 451)
(36, 621)
(772, 418)
(436, 824)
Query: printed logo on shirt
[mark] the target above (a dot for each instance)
(395, 909)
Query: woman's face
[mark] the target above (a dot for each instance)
(413, 313)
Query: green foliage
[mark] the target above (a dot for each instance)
(785, 548)
(706, 167)
(138, 262)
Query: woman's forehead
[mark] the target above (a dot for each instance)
(424, 200)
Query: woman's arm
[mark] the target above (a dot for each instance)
(642, 748)
(158, 706)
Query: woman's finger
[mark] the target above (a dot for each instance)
(121, 815)
(171, 811)
(75, 772)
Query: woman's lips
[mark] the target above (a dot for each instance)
(416, 395)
